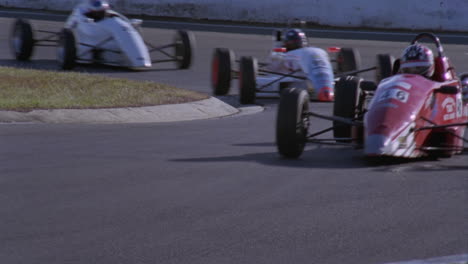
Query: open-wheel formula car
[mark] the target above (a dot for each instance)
(404, 115)
(267, 79)
(111, 40)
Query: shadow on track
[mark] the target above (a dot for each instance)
(327, 157)
(330, 157)
(323, 159)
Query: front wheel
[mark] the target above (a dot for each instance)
(347, 91)
(221, 70)
(248, 80)
(66, 53)
(292, 122)
(22, 40)
(184, 42)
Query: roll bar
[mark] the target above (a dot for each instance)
(432, 37)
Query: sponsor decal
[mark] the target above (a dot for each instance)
(397, 94)
(449, 106)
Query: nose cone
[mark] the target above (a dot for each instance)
(378, 145)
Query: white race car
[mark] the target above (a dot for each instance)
(307, 68)
(113, 40)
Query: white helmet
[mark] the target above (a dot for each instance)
(418, 59)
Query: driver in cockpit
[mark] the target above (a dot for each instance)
(417, 59)
(95, 9)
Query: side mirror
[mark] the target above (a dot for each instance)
(447, 89)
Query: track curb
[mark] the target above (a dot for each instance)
(203, 109)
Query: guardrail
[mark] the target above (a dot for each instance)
(438, 15)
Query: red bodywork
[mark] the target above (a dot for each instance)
(406, 105)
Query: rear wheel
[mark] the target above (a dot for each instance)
(384, 67)
(347, 93)
(221, 69)
(292, 122)
(22, 40)
(247, 80)
(348, 59)
(184, 42)
(66, 52)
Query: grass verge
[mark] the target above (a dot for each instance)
(26, 90)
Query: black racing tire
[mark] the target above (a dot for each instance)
(384, 67)
(22, 40)
(248, 70)
(347, 93)
(292, 122)
(437, 140)
(348, 59)
(66, 50)
(221, 70)
(184, 42)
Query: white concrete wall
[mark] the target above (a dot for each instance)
(409, 14)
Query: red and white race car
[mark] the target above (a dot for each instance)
(305, 67)
(404, 115)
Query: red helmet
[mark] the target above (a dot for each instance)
(295, 39)
(417, 59)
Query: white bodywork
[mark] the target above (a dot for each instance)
(310, 62)
(114, 40)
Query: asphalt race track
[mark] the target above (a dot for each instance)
(216, 191)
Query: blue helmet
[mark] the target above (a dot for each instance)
(96, 9)
(98, 5)
(295, 39)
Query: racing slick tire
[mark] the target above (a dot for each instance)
(66, 50)
(22, 40)
(348, 59)
(292, 122)
(184, 42)
(384, 67)
(347, 91)
(248, 69)
(221, 71)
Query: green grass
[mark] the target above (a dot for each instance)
(26, 90)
